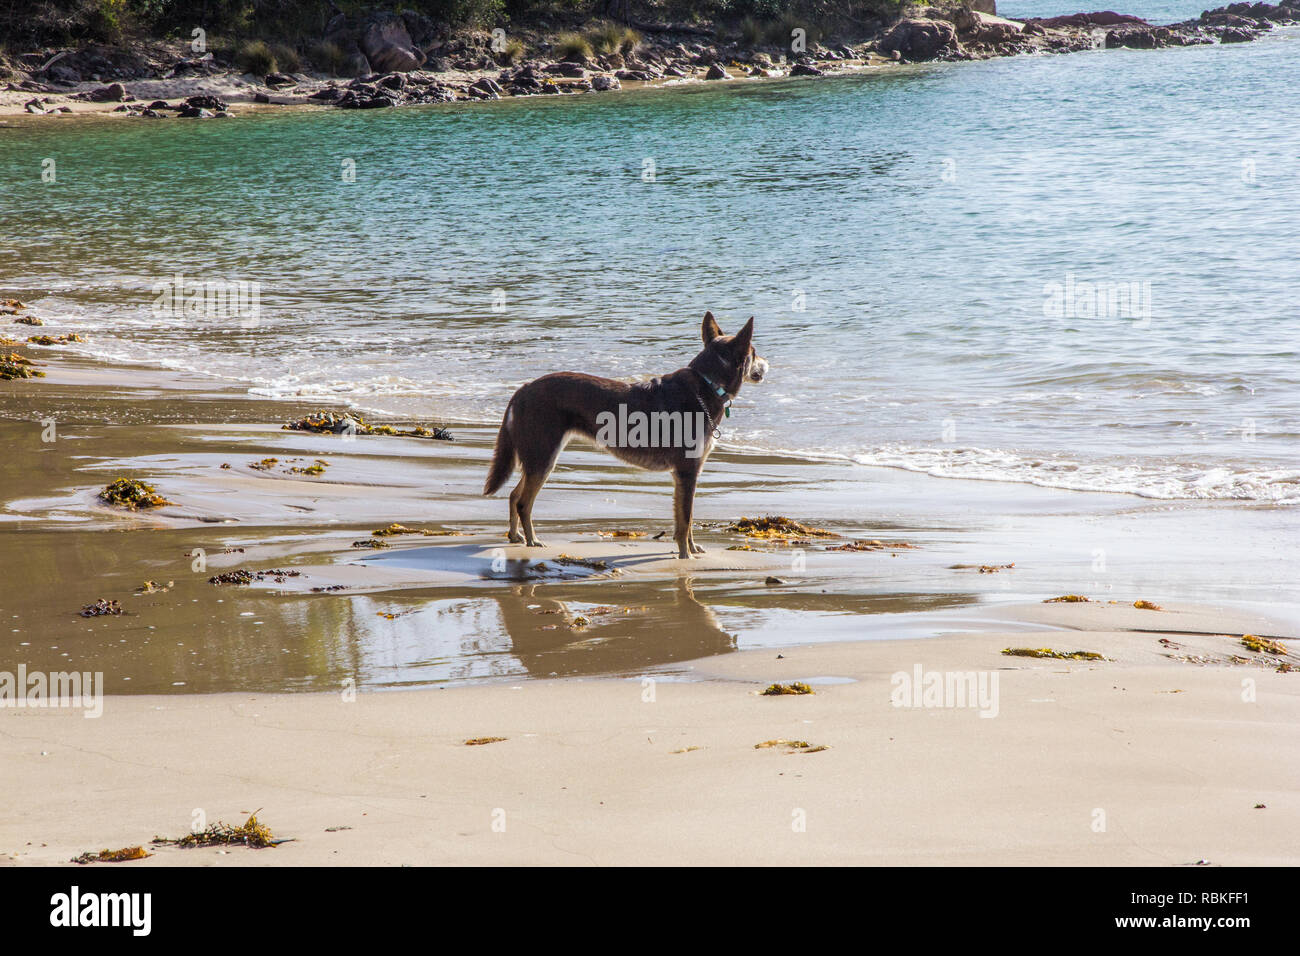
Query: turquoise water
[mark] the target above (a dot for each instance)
(927, 219)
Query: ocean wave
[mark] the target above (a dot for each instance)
(1160, 480)
(1167, 481)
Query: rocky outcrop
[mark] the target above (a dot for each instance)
(387, 44)
(916, 40)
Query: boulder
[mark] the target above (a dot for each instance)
(717, 72)
(1236, 35)
(976, 27)
(921, 39)
(206, 102)
(805, 69)
(603, 83)
(1103, 18)
(388, 46)
(113, 93)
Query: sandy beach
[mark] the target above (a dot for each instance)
(336, 701)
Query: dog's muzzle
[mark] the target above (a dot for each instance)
(757, 369)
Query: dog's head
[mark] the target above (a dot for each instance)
(729, 360)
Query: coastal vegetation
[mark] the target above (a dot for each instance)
(234, 26)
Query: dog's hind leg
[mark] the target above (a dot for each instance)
(527, 490)
(515, 537)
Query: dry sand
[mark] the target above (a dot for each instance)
(1134, 761)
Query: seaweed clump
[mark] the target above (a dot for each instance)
(591, 564)
(134, 494)
(101, 608)
(113, 856)
(1147, 606)
(396, 529)
(328, 423)
(55, 339)
(252, 833)
(870, 546)
(1048, 652)
(14, 366)
(245, 576)
(1262, 645)
(1069, 599)
(480, 741)
(780, 690)
(776, 526)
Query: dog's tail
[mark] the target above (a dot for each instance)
(503, 460)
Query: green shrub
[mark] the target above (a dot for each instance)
(328, 58)
(572, 46)
(255, 57)
(286, 58)
(607, 38)
(513, 52)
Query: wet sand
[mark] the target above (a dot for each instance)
(1158, 737)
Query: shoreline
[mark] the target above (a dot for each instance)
(455, 573)
(938, 36)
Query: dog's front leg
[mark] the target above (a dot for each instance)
(683, 505)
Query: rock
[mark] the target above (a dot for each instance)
(260, 97)
(603, 83)
(486, 85)
(717, 72)
(567, 68)
(279, 79)
(207, 102)
(674, 71)
(1104, 18)
(1236, 35)
(916, 40)
(976, 27)
(195, 112)
(805, 69)
(63, 73)
(357, 65)
(393, 81)
(159, 105)
(772, 581)
(113, 93)
(984, 6)
(34, 106)
(388, 46)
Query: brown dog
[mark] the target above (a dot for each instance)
(665, 424)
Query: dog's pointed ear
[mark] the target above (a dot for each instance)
(709, 331)
(740, 342)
